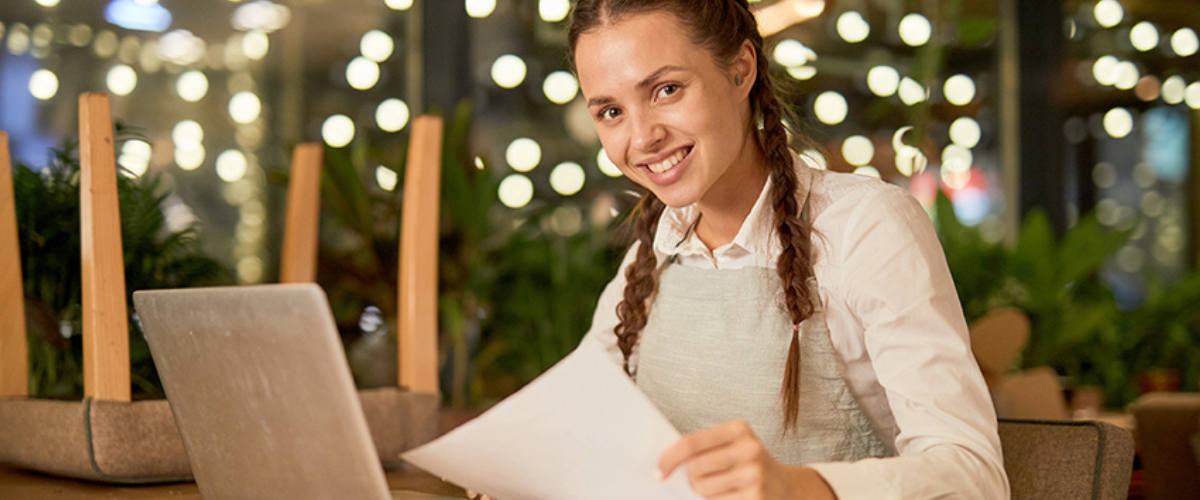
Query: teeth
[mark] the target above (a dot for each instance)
(666, 164)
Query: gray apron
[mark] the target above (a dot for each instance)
(714, 349)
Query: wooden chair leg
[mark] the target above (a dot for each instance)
(14, 354)
(298, 261)
(417, 325)
(105, 317)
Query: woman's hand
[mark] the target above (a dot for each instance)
(728, 462)
(472, 494)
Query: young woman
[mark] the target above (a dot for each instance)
(800, 326)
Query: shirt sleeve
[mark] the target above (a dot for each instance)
(896, 282)
(604, 319)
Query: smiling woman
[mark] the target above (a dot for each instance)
(791, 321)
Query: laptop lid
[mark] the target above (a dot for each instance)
(261, 392)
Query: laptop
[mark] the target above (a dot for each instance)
(262, 395)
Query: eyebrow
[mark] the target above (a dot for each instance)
(646, 82)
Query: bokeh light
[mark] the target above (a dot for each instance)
(1144, 36)
(245, 107)
(911, 92)
(508, 71)
(831, 108)
(957, 159)
(516, 191)
(135, 157)
(1184, 42)
(567, 178)
(387, 178)
(1105, 70)
(255, 45)
(392, 115)
(338, 131)
(523, 154)
(560, 87)
(192, 86)
(377, 46)
(790, 53)
(362, 73)
(1118, 122)
(1174, 89)
(858, 150)
(965, 132)
(399, 4)
(189, 158)
(1192, 95)
(43, 84)
(852, 27)
(480, 8)
(121, 80)
(1109, 13)
(231, 165)
(187, 134)
(47, 3)
(1127, 75)
(605, 164)
(959, 90)
(915, 30)
(883, 80)
(553, 11)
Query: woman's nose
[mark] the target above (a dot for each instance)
(648, 132)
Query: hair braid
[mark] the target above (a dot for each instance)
(795, 260)
(640, 280)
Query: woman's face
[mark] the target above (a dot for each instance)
(669, 116)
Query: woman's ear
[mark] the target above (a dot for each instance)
(745, 67)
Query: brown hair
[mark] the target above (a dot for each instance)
(722, 27)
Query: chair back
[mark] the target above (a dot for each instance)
(1066, 460)
(14, 357)
(1168, 427)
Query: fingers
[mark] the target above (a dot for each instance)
(699, 442)
(472, 494)
(747, 478)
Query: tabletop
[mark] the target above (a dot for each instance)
(19, 484)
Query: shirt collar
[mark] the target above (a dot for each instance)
(676, 233)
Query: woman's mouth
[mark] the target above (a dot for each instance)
(669, 162)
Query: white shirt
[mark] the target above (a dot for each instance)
(895, 323)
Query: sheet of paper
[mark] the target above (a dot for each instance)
(581, 431)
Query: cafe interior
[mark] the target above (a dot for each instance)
(434, 168)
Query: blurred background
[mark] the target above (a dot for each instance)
(1054, 143)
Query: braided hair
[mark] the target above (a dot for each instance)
(722, 27)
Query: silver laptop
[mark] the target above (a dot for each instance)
(262, 394)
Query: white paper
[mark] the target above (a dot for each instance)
(581, 431)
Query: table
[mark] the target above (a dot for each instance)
(17, 484)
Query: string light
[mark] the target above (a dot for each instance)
(831, 108)
(231, 165)
(960, 90)
(1184, 42)
(852, 27)
(392, 115)
(883, 80)
(567, 178)
(121, 80)
(965, 132)
(244, 107)
(377, 46)
(911, 92)
(858, 150)
(508, 71)
(606, 165)
(553, 11)
(1174, 89)
(560, 87)
(1144, 36)
(399, 4)
(387, 178)
(480, 9)
(43, 84)
(192, 86)
(338, 131)
(523, 154)
(1109, 13)
(362, 73)
(915, 30)
(1118, 122)
(516, 191)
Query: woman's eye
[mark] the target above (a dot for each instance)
(610, 113)
(668, 90)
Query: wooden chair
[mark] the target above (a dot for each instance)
(1065, 460)
(107, 437)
